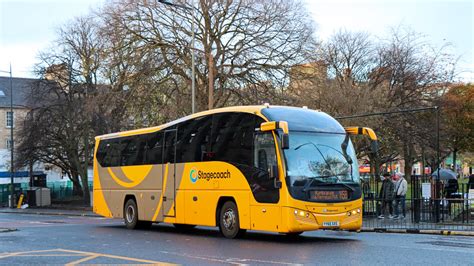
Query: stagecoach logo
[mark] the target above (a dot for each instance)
(195, 174)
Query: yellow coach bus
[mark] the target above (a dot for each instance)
(272, 168)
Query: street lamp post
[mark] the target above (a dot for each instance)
(12, 172)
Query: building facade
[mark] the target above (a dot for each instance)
(21, 89)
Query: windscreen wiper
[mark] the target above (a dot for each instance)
(344, 145)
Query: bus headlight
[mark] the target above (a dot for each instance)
(353, 212)
(301, 213)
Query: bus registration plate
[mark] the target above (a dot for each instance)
(331, 224)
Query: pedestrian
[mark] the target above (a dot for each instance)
(387, 194)
(401, 187)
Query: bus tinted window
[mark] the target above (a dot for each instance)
(169, 152)
(153, 148)
(130, 152)
(193, 139)
(232, 137)
(109, 152)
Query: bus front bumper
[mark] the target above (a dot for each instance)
(304, 220)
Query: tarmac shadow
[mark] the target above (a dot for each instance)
(213, 232)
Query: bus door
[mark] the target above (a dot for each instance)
(169, 173)
(266, 213)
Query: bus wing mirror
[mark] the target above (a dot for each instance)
(285, 141)
(274, 125)
(365, 131)
(374, 146)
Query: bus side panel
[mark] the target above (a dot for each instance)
(99, 194)
(143, 182)
(266, 217)
(100, 206)
(147, 204)
(115, 198)
(201, 206)
(243, 204)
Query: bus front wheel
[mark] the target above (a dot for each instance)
(229, 224)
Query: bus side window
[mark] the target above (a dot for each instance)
(193, 137)
(111, 150)
(231, 138)
(129, 152)
(154, 148)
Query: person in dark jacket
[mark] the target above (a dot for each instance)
(387, 194)
(470, 183)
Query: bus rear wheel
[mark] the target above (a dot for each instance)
(229, 224)
(130, 216)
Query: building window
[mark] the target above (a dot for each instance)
(9, 144)
(10, 120)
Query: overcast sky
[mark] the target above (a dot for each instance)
(27, 26)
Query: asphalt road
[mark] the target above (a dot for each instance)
(42, 239)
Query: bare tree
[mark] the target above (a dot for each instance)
(242, 43)
(356, 74)
(62, 117)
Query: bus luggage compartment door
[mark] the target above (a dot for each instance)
(169, 171)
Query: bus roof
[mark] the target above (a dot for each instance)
(302, 119)
(243, 109)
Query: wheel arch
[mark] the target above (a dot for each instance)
(128, 197)
(220, 203)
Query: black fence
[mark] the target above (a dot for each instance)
(429, 204)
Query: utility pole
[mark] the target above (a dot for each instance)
(12, 171)
(211, 80)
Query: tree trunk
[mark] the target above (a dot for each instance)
(76, 185)
(408, 151)
(85, 173)
(455, 153)
(85, 187)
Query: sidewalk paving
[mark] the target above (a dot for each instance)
(54, 210)
(406, 225)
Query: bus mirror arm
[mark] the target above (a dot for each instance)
(277, 183)
(285, 141)
(374, 145)
(274, 175)
(274, 125)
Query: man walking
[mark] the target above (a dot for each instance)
(387, 194)
(401, 187)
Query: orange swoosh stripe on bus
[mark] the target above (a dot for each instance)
(163, 190)
(125, 184)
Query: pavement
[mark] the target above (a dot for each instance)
(49, 239)
(71, 211)
(369, 225)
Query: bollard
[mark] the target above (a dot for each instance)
(20, 201)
